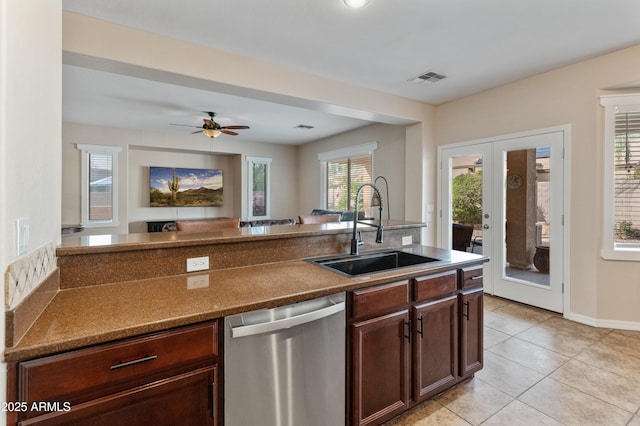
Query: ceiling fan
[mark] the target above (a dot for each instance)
(212, 129)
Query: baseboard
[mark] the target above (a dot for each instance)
(604, 323)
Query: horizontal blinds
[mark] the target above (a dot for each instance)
(344, 177)
(101, 186)
(360, 174)
(627, 176)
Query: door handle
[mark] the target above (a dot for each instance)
(408, 330)
(420, 330)
(466, 314)
(283, 324)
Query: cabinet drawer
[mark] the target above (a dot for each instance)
(434, 286)
(471, 277)
(379, 299)
(89, 373)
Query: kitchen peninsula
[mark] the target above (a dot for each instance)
(113, 289)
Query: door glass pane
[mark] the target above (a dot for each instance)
(527, 210)
(466, 203)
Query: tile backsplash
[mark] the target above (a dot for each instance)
(26, 273)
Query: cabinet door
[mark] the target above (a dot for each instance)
(471, 323)
(435, 347)
(187, 399)
(380, 368)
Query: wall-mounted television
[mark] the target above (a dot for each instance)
(182, 187)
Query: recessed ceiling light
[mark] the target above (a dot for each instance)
(355, 4)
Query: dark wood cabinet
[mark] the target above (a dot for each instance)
(404, 350)
(381, 353)
(436, 347)
(164, 378)
(183, 399)
(471, 328)
(471, 320)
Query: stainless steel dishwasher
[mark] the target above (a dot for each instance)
(286, 366)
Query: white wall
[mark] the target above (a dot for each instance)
(390, 153)
(30, 115)
(141, 149)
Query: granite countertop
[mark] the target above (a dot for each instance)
(85, 316)
(82, 244)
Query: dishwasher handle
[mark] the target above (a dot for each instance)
(285, 323)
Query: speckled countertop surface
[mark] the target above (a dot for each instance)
(127, 242)
(89, 315)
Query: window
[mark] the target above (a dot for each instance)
(259, 187)
(99, 195)
(344, 171)
(622, 177)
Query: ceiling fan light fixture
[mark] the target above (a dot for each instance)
(212, 133)
(356, 4)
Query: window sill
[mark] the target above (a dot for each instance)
(628, 253)
(101, 225)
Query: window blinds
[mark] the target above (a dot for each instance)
(627, 176)
(101, 186)
(344, 177)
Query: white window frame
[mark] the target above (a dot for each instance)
(610, 249)
(250, 162)
(338, 154)
(88, 150)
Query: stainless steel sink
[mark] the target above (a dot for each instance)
(368, 263)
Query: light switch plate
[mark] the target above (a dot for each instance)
(407, 241)
(198, 264)
(22, 234)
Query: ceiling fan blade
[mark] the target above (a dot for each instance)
(199, 131)
(235, 127)
(184, 125)
(229, 132)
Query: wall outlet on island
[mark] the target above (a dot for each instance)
(198, 264)
(407, 241)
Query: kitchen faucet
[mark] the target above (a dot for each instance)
(356, 240)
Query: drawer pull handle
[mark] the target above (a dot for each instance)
(134, 362)
(477, 277)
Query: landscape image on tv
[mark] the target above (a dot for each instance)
(179, 187)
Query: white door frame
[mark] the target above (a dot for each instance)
(566, 229)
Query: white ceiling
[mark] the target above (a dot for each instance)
(476, 44)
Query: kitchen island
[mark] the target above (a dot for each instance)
(99, 310)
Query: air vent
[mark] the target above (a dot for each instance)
(428, 77)
(303, 126)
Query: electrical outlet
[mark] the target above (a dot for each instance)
(407, 241)
(198, 264)
(197, 281)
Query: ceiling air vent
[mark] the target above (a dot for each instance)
(428, 77)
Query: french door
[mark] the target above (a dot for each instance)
(510, 191)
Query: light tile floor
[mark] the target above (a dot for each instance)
(541, 369)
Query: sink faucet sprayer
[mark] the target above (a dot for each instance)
(356, 241)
